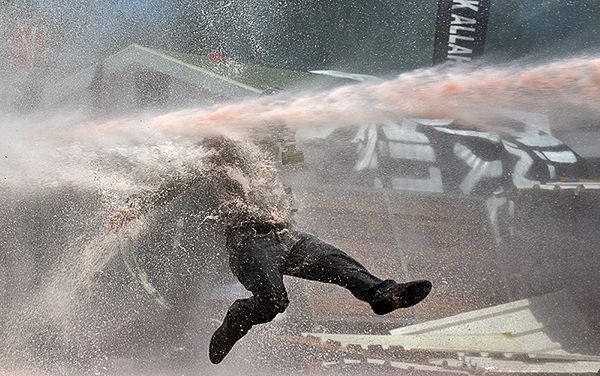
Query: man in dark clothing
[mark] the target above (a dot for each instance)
(242, 183)
(261, 254)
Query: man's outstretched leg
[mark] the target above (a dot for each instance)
(255, 262)
(311, 258)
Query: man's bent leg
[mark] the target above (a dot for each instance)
(241, 316)
(255, 262)
(311, 258)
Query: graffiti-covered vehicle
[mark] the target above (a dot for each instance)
(430, 196)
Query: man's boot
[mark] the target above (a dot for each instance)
(224, 338)
(390, 295)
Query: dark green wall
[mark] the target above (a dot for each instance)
(364, 36)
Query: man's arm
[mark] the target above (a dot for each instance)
(138, 205)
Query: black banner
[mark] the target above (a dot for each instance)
(460, 30)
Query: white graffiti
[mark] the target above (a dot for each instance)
(522, 166)
(479, 168)
(493, 205)
(563, 156)
(377, 145)
(402, 142)
(366, 138)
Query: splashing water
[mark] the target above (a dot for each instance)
(472, 96)
(120, 157)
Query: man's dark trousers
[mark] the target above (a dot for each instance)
(260, 258)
